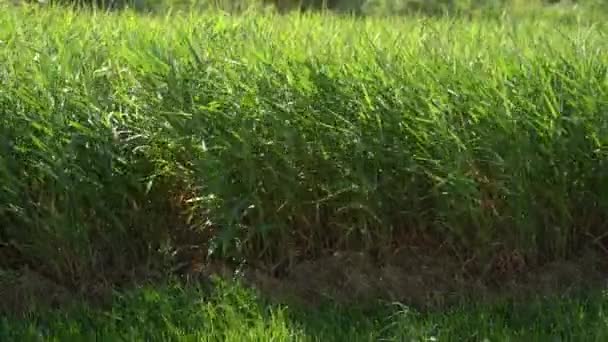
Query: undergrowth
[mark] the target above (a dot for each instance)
(232, 313)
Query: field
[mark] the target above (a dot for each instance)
(421, 160)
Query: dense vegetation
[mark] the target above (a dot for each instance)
(130, 143)
(356, 7)
(279, 138)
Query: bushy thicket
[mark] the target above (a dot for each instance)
(284, 137)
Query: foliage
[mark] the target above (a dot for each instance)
(274, 138)
(357, 7)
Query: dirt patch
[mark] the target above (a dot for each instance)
(424, 281)
(413, 276)
(25, 290)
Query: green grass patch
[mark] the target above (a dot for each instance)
(234, 313)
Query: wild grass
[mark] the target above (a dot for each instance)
(232, 313)
(282, 137)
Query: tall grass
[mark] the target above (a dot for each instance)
(471, 8)
(282, 137)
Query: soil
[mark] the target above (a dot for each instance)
(424, 281)
(413, 276)
(24, 290)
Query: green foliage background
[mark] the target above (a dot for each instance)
(357, 7)
(125, 137)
